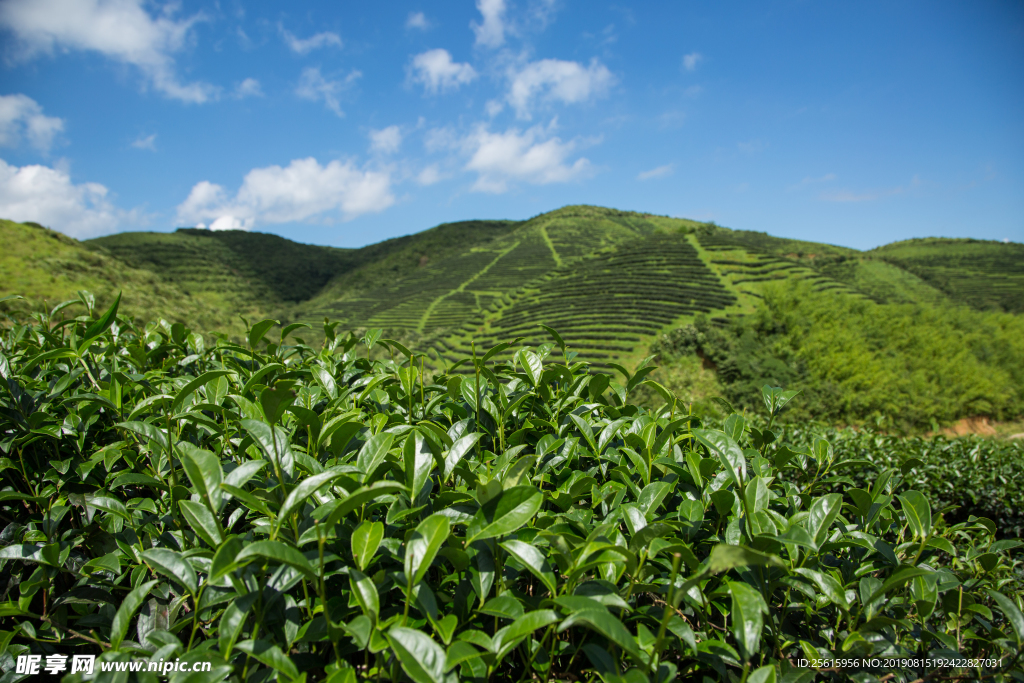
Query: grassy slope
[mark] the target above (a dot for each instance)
(612, 282)
(46, 266)
(983, 274)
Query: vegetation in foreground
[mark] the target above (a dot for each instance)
(298, 513)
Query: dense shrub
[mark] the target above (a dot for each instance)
(977, 476)
(856, 360)
(292, 513)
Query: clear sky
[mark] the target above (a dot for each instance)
(342, 123)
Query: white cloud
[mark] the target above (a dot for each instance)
(22, 117)
(659, 172)
(429, 176)
(491, 32)
(386, 140)
(691, 61)
(436, 71)
(530, 156)
(313, 86)
(250, 87)
(119, 29)
(148, 142)
(306, 45)
(302, 191)
(417, 20)
(47, 196)
(557, 80)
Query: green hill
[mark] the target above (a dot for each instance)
(47, 267)
(983, 274)
(617, 285)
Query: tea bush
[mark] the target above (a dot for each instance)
(292, 513)
(976, 475)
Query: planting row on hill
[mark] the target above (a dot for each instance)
(986, 275)
(751, 258)
(619, 296)
(238, 266)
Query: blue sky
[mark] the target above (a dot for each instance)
(348, 123)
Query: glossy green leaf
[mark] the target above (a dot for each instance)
(373, 452)
(533, 559)
(823, 513)
(419, 462)
(918, 513)
(276, 551)
(172, 565)
(259, 330)
(204, 471)
(271, 655)
(747, 617)
(365, 540)
(501, 515)
(129, 606)
(727, 451)
(202, 522)
(422, 546)
(421, 658)
(725, 557)
(365, 593)
(605, 624)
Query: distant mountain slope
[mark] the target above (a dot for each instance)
(610, 281)
(240, 267)
(46, 266)
(983, 274)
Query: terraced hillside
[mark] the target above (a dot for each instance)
(47, 267)
(241, 268)
(609, 281)
(754, 257)
(447, 289)
(984, 274)
(609, 304)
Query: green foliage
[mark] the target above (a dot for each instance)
(292, 513)
(986, 275)
(49, 269)
(857, 360)
(976, 476)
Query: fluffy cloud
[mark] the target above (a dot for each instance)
(429, 176)
(436, 71)
(691, 61)
(386, 140)
(557, 80)
(302, 191)
(47, 196)
(491, 31)
(305, 45)
(21, 117)
(417, 20)
(659, 172)
(148, 142)
(313, 86)
(250, 87)
(530, 156)
(120, 29)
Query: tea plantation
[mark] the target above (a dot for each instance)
(926, 330)
(293, 511)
